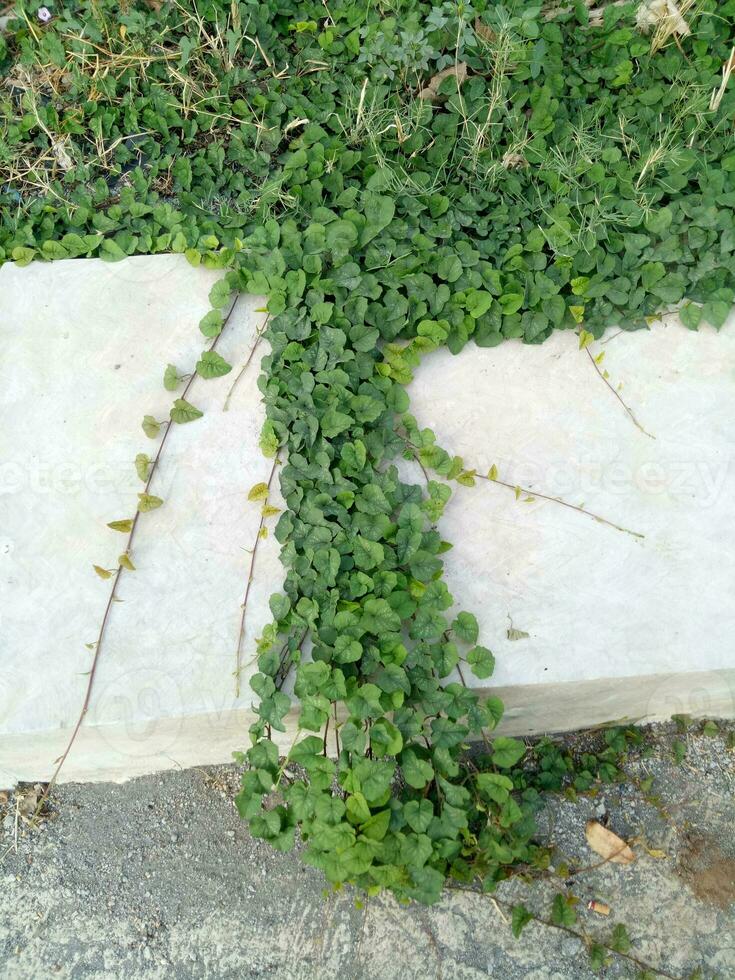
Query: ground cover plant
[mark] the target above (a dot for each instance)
(395, 178)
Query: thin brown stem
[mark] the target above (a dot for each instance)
(336, 729)
(112, 597)
(534, 493)
(619, 397)
(251, 569)
(584, 938)
(243, 369)
(557, 500)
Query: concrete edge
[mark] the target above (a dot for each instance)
(115, 753)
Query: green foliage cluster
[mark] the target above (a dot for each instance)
(570, 178)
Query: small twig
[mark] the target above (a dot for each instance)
(500, 912)
(583, 938)
(113, 593)
(243, 369)
(558, 500)
(253, 553)
(533, 493)
(336, 729)
(618, 396)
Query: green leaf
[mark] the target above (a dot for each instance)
(716, 312)
(321, 312)
(378, 617)
(651, 272)
(125, 527)
(511, 302)
(376, 826)
(465, 627)
(147, 501)
(416, 850)
(171, 378)
(259, 491)
(482, 662)
(110, 251)
(23, 256)
(142, 466)
(416, 771)
(333, 422)
(219, 294)
(520, 917)
(280, 605)
(211, 323)
(690, 315)
(212, 365)
(357, 809)
(562, 911)
(182, 412)
(620, 940)
(385, 738)
(151, 427)
(368, 555)
(658, 221)
(54, 250)
(507, 752)
(379, 211)
(450, 268)
(418, 814)
(374, 778)
(494, 786)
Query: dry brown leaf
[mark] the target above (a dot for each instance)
(607, 844)
(483, 31)
(26, 803)
(513, 160)
(459, 71)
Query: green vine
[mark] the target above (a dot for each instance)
(396, 178)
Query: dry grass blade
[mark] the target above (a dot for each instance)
(666, 19)
(718, 94)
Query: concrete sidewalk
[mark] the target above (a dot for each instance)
(158, 878)
(588, 623)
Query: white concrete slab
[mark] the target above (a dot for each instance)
(618, 627)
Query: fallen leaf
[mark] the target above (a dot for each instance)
(512, 161)
(58, 148)
(459, 71)
(607, 844)
(26, 802)
(483, 31)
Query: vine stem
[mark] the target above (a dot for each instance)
(558, 500)
(253, 553)
(533, 493)
(246, 365)
(619, 397)
(112, 597)
(581, 936)
(584, 938)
